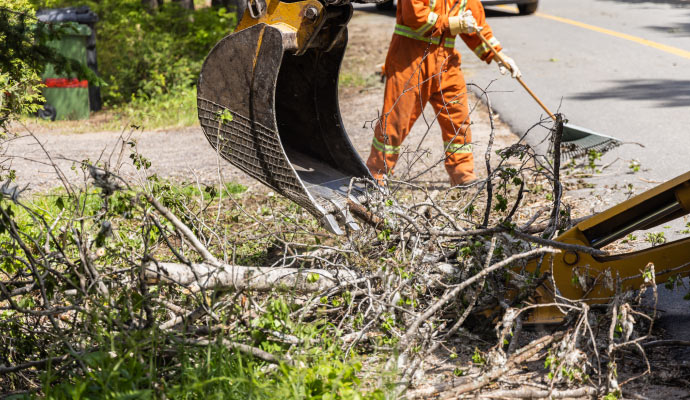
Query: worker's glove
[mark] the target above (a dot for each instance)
(512, 66)
(463, 23)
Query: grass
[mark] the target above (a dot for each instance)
(147, 362)
(354, 79)
(143, 366)
(175, 109)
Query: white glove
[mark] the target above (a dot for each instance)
(463, 23)
(512, 66)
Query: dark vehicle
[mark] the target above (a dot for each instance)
(525, 7)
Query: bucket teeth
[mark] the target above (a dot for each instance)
(344, 214)
(275, 115)
(329, 222)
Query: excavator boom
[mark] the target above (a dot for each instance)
(595, 279)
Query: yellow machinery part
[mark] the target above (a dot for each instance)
(595, 279)
(299, 21)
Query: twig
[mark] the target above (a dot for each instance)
(253, 351)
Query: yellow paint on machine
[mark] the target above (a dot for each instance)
(668, 49)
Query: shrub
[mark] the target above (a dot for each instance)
(144, 54)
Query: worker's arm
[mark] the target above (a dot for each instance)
(470, 23)
(418, 15)
(475, 43)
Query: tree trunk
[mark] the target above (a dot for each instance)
(151, 5)
(187, 4)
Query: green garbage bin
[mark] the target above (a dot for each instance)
(68, 96)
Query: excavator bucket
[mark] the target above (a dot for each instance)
(268, 103)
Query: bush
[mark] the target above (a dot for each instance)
(19, 81)
(144, 54)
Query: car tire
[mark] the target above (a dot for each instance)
(527, 9)
(386, 5)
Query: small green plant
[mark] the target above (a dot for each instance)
(592, 157)
(687, 229)
(501, 203)
(478, 357)
(634, 166)
(224, 116)
(672, 282)
(613, 395)
(630, 238)
(655, 238)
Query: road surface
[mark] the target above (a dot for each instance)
(613, 66)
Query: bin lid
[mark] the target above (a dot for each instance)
(81, 14)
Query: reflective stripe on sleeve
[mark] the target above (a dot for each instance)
(403, 30)
(457, 148)
(482, 49)
(449, 42)
(430, 22)
(385, 148)
(463, 5)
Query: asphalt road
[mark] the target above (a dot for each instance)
(619, 67)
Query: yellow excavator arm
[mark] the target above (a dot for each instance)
(580, 275)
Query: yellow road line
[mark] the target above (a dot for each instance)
(669, 49)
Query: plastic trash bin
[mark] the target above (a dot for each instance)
(65, 95)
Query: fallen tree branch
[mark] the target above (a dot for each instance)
(669, 343)
(520, 356)
(184, 230)
(526, 393)
(365, 215)
(454, 292)
(434, 390)
(204, 276)
(32, 364)
(253, 351)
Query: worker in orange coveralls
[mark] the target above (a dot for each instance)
(423, 66)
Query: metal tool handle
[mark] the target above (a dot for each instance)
(524, 85)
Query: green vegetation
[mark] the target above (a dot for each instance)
(149, 60)
(25, 50)
(175, 108)
(146, 364)
(144, 54)
(113, 337)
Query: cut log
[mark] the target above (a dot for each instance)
(205, 276)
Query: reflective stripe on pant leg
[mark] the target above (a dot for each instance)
(451, 147)
(450, 104)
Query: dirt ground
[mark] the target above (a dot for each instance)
(185, 155)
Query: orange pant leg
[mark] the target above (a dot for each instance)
(449, 99)
(405, 96)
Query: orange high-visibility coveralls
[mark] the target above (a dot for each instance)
(423, 66)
